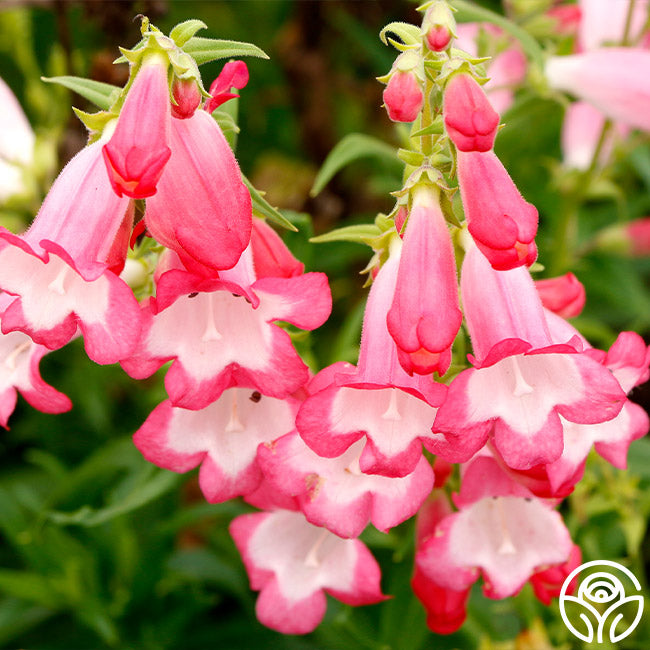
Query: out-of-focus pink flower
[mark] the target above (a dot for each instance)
(403, 96)
(638, 232)
(187, 95)
(293, 563)
(233, 75)
(202, 209)
(469, 117)
(138, 150)
(566, 17)
(501, 222)
(564, 295)
(16, 144)
(613, 79)
(602, 22)
(425, 317)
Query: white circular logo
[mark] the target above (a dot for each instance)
(604, 589)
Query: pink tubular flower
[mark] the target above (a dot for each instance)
(523, 381)
(470, 120)
(501, 222)
(138, 150)
(222, 438)
(63, 269)
(564, 295)
(603, 23)
(19, 360)
(612, 79)
(202, 209)
(378, 400)
(336, 494)
(501, 530)
(271, 257)
(293, 564)
(424, 317)
(221, 334)
(233, 75)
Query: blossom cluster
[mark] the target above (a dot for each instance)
(322, 456)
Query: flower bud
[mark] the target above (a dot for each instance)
(564, 295)
(403, 97)
(187, 95)
(470, 120)
(438, 26)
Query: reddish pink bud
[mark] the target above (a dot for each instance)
(271, 257)
(639, 233)
(547, 584)
(138, 151)
(446, 609)
(403, 96)
(187, 96)
(438, 38)
(400, 219)
(469, 117)
(233, 75)
(501, 222)
(564, 295)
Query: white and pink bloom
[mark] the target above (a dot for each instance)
(425, 317)
(63, 269)
(501, 530)
(501, 222)
(293, 564)
(222, 438)
(377, 401)
(138, 150)
(523, 381)
(220, 333)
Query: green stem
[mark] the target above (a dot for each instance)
(628, 23)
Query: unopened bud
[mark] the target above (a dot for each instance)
(187, 96)
(438, 26)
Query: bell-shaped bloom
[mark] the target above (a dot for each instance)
(233, 75)
(378, 400)
(16, 144)
(604, 23)
(63, 269)
(564, 295)
(336, 494)
(202, 209)
(138, 150)
(501, 222)
(403, 96)
(293, 563)
(547, 583)
(221, 334)
(187, 95)
(424, 317)
(470, 120)
(501, 530)
(19, 360)
(612, 79)
(222, 438)
(271, 257)
(523, 381)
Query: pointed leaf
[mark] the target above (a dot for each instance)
(204, 50)
(359, 234)
(468, 12)
(101, 94)
(409, 34)
(351, 147)
(264, 209)
(185, 30)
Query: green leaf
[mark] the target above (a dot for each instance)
(409, 34)
(359, 234)
(101, 94)
(351, 147)
(468, 12)
(204, 50)
(141, 495)
(185, 30)
(30, 586)
(264, 209)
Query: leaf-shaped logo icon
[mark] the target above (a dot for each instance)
(585, 612)
(613, 616)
